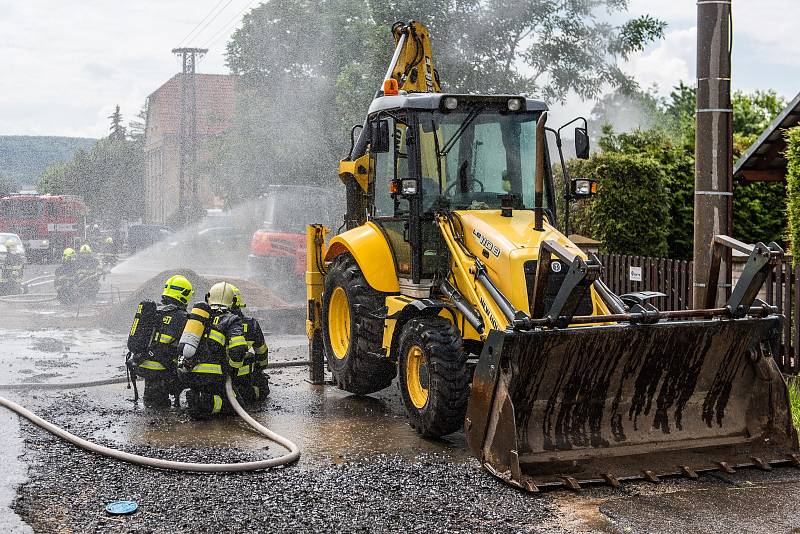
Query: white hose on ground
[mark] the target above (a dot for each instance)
(292, 456)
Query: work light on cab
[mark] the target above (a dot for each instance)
(515, 104)
(582, 188)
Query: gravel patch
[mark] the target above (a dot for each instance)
(68, 490)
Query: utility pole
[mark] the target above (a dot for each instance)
(187, 137)
(713, 175)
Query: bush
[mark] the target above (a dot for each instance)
(793, 188)
(630, 213)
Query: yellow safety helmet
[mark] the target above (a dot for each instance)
(108, 241)
(222, 294)
(179, 288)
(237, 298)
(68, 254)
(86, 249)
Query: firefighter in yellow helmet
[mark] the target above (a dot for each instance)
(252, 384)
(87, 261)
(153, 342)
(65, 272)
(222, 352)
(108, 252)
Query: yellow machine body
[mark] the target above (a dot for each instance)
(494, 322)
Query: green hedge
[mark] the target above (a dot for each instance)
(793, 188)
(631, 212)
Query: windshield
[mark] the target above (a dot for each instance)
(292, 211)
(482, 155)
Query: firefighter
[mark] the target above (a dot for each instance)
(153, 342)
(109, 253)
(65, 273)
(220, 352)
(11, 269)
(252, 382)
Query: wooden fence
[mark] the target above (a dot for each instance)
(626, 274)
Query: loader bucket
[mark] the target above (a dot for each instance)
(604, 404)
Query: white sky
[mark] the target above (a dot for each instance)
(67, 63)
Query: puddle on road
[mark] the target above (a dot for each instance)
(329, 426)
(53, 355)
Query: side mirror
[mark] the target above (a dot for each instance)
(379, 136)
(583, 188)
(581, 143)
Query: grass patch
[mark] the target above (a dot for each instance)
(794, 400)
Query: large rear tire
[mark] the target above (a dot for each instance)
(434, 380)
(351, 333)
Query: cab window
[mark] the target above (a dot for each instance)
(389, 166)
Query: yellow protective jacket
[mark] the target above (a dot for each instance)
(224, 345)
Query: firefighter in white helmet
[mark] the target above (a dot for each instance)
(221, 352)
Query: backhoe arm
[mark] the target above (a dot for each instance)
(412, 65)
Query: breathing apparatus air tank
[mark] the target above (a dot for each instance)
(144, 323)
(194, 330)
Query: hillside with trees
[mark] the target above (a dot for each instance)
(24, 158)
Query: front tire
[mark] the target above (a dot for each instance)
(351, 333)
(434, 380)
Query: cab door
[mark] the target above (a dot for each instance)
(390, 209)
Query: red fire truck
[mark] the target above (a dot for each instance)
(46, 223)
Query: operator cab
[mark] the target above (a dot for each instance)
(454, 152)
(439, 152)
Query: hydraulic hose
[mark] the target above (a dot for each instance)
(292, 456)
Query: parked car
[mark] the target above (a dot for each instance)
(141, 236)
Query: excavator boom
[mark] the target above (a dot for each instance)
(412, 64)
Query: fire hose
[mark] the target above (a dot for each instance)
(292, 456)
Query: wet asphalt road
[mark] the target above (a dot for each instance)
(363, 469)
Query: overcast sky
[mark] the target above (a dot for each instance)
(65, 64)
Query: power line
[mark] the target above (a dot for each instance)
(206, 18)
(227, 26)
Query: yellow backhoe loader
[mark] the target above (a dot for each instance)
(452, 277)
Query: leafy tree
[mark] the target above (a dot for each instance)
(117, 129)
(137, 126)
(626, 111)
(752, 113)
(308, 70)
(109, 177)
(758, 208)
